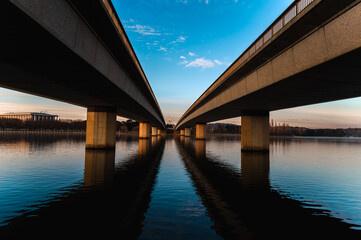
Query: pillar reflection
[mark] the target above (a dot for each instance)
(99, 167)
(255, 169)
(243, 205)
(200, 148)
(181, 138)
(144, 146)
(187, 142)
(154, 142)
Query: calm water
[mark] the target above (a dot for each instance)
(179, 188)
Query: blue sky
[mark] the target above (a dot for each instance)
(184, 46)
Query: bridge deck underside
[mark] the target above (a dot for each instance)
(33, 61)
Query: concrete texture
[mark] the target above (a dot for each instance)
(182, 132)
(255, 132)
(187, 132)
(154, 131)
(100, 128)
(144, 130)
(76, 52)
(309, 61)
(201, 129)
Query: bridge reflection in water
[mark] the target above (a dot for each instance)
(243, 205)
(110, 204)
(114, 195)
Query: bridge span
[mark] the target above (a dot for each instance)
(310, 54)
(77, 52)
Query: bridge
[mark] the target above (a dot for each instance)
(77, 52)
(310, 54)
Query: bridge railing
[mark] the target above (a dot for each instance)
(295, 9)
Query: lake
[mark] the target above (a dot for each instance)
(179, 188)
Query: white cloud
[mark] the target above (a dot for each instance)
(184, 62)
(179, 40)
(218, 62)
(143, 30)
(162, 49)
(182, 57)
(201, 62)
(191, 54)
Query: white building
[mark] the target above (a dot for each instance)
(30, 116)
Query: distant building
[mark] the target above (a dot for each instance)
(30, 116)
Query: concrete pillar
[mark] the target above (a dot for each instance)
(159, 132)
(100, 128)
(255, 131)
(154, 131)
(187, 132)
(144, 130)
(201, 131)
(182, 132)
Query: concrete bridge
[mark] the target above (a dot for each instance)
(310, 54)
(77, 52)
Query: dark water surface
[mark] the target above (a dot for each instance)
(179, 188)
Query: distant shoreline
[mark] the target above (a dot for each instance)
(135, 133)
(43, 131)
(46, 131)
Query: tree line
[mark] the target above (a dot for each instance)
(276, 129)
(284, 129)
(57, 125)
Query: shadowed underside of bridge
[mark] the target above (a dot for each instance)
(76, 52)
(314, 58)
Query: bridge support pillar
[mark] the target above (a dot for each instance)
(144, 130)
(154, 131)
(159, 132)
(100, 128)
(187, 132)
(255, 131)
(201, 131)
(182, 132)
